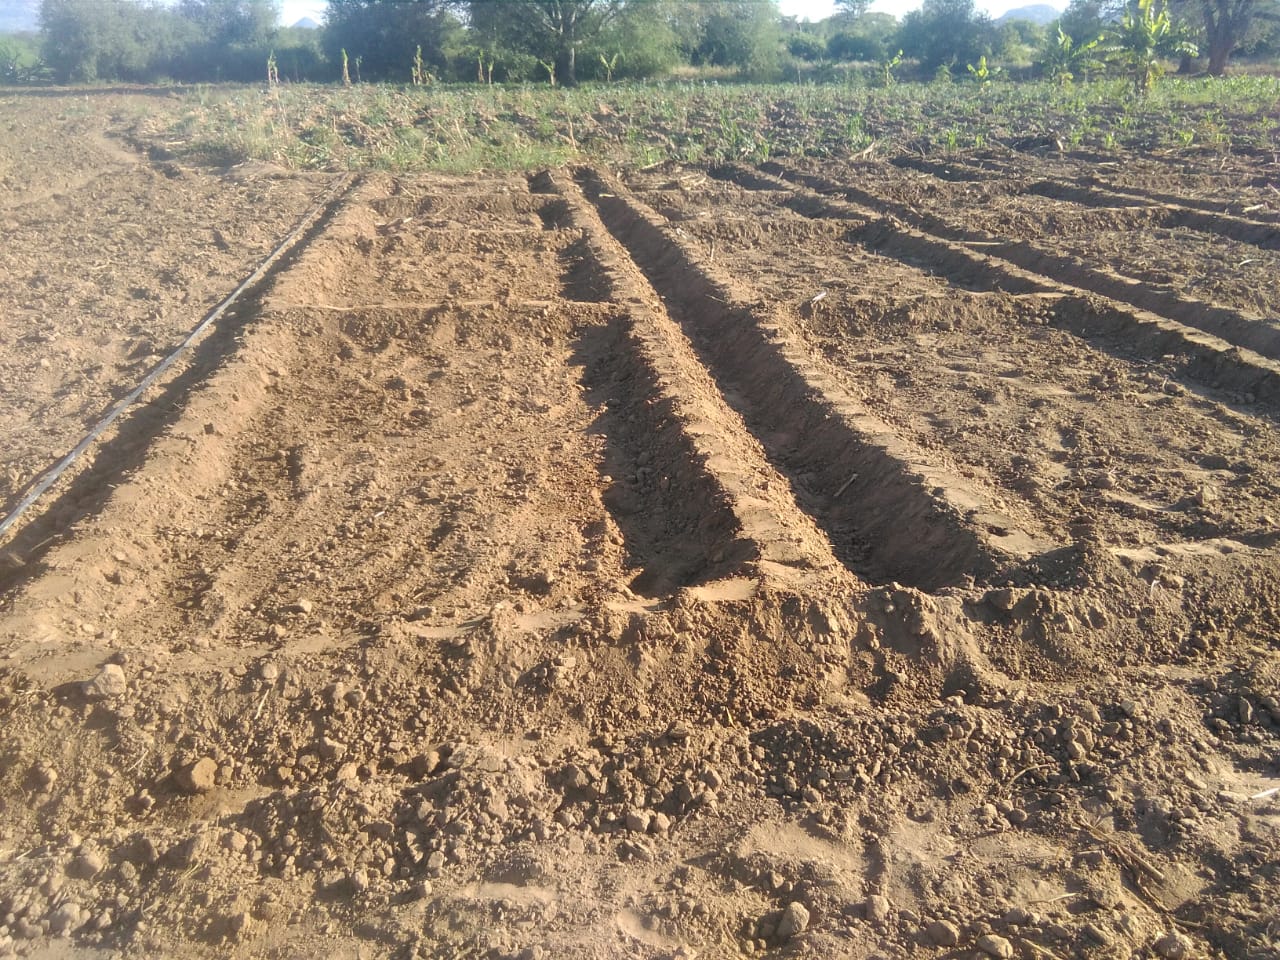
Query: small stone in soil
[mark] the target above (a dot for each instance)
(196, 777)
(110, 682)
(240, 923)
(995, 946)
(944, 933)
(795, 919)
(65, 919)
(1175, 946)
(876, 908)
(89, 863)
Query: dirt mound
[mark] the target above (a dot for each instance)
(685, 566)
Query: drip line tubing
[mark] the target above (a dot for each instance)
(335, 193)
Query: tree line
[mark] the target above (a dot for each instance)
(569, 41)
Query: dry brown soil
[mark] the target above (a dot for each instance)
(822, 560)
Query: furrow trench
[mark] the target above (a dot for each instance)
(718, 478)
(1168, 212)
(1236, 327)
(890, 514)
(1209, 359)
(1264, 235)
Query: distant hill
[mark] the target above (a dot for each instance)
(306, 23)
(1037, 13)
(17, 16)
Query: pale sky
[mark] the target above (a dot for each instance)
(295, 10)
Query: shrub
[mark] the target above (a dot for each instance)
(847, 47)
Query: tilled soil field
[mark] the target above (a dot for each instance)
(831, 560)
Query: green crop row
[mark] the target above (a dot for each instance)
(462, 129)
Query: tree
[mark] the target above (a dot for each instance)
(1147, 34)
(1086, 19)
(866, 40)
(19, 58)
(228, 22)
(553, 31)
(738, 33)
(945, 32)
(642, 38)
(1017, 40)
(1264, 36)
(851, 9)
(1226, 24)
(385, 35)
(299, 55)
(194, 40)
(227, 39)
(807, 47)
(87, 40)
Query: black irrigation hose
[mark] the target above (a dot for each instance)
(51, 477)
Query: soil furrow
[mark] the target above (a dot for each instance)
(1265, 235)
(316, 432)
(87, 484)
(684, 408)
(965, 267)
(951, 170)
(1167, 211)
(1030, 412)
(1211, 360)
(500, 587)
(889, 513)
(1181, 200)
(1251, 200)
(1236, 327)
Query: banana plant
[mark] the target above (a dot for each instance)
(1064, 57)
(982, 73)
(1146, 36)
(610, 65)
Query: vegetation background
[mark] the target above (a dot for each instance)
(517, 84)
(563, 42)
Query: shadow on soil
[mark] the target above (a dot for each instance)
(676, 530)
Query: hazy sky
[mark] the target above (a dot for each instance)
(295, 10)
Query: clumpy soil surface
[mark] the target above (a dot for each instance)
(682, 563)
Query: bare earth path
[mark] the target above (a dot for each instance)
(687, 563)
